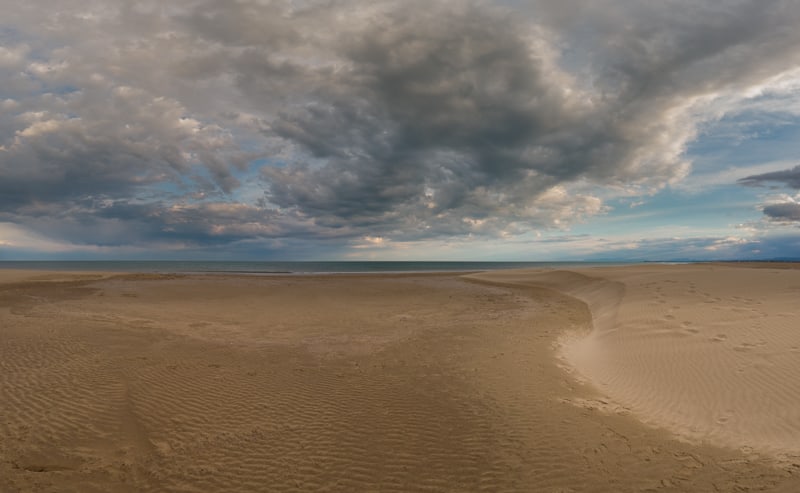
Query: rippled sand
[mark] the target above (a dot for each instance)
(710, 352)
(329, 383)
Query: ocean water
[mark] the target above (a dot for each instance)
(255, 267)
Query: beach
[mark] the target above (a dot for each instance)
(631, 378)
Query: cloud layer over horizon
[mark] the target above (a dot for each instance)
(340, 126)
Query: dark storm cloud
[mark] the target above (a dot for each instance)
(786, 211)
(113, 144)
(783, 212)
(141, 122)
(789, 178)
(447, 114)
(441, 116)
(432, 110)
(121, 223)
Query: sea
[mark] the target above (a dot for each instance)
(286, 267)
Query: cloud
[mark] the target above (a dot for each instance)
(12, 56)
(789, 178)
(448, 114)
(783, 212)
(135, 123)
(782, 209)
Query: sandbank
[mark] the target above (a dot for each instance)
(710, 352)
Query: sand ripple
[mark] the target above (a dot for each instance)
(406, 383)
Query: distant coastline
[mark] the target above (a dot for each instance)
(285, 267)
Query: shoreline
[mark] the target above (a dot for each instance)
(147, 382)
(285, 267)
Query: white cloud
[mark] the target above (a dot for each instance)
(13, 56)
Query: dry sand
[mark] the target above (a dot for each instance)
(401, 383)
(709, 352)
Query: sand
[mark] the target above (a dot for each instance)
(616, 379)
(709, 352)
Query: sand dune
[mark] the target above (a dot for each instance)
(709, 352)
(334, 383)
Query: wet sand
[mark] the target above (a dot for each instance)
(365, 383)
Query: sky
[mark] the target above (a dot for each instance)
(531, 130)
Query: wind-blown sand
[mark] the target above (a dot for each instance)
(401, 382)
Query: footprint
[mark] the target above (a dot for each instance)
(748, 346)
(725, 417)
